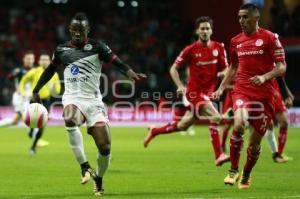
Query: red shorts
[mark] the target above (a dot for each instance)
(279, 106)
(260, 111)
(197, 100)
(179, 112)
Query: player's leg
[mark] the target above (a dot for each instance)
(175, 126)
(214, 116)
(241, 116)
(11, 121)
(271, 139)
(226, 128)
(101, 135)
(253, 152)
(36, 135)
(282, 120)
(73, 119)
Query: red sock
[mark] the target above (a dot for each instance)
(282, 139)
(169, 128)
(236, 145)
(225, 135)
(252, 158)
(215, 139)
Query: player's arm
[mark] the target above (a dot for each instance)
(277, 71)
(229, 77)
(106, 54)
(176, 78)
(45, 77)
(277, 53)
(126, 69)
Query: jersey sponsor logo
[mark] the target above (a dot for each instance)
(75, 79)
(87, 47)
(259, 42)
(253, 52)
(207, 62)
(215, 53)
(74, 69)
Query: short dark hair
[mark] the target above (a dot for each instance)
(80, 16)
(250, 7)
(203, 19)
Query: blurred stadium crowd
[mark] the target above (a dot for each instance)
(143, 34)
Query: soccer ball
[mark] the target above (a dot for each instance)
(36, 115)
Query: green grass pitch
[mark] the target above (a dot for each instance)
(174, 166)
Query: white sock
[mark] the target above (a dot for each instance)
(34, 132)
(76, 142)
(103, 162)
(6, 122)
(272, 140)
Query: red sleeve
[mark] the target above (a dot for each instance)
(183, 57)
(233, 54)
(276, 49)
(222, 58)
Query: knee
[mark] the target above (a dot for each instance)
(183, 127)
(216, 119)
(70, 122)
(284, 124)
(105, 149)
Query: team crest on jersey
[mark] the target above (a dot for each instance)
(87, 47)
(215, 53)
(259, 42)
(74, 69)
(239, 102)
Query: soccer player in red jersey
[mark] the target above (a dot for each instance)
(204, 58)
(280, 116)
(256, 58)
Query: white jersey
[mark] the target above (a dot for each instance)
(82, 68)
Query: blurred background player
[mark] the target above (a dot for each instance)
(205, 58)
(52, 88)
(253, 54)
(19, 102)
(283, 100)
(80, 62)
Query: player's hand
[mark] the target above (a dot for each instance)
(133, 76)
(288, 102)
(35, 98)
(181, 90)
(221, 74)
(258, 80)
(217, 94)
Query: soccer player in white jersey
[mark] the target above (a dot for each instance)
(79, 63)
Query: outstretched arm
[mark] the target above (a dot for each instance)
(126, 70)
(45, 77)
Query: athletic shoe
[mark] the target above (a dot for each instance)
(98, 190)
(149, 137)
(279, 159)
(85, 175)
(42, 143)
(222, 159)
(232, 177)
(245, 182)
(32, 152)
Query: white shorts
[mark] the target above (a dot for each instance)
(92, 109)
(20, 103)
